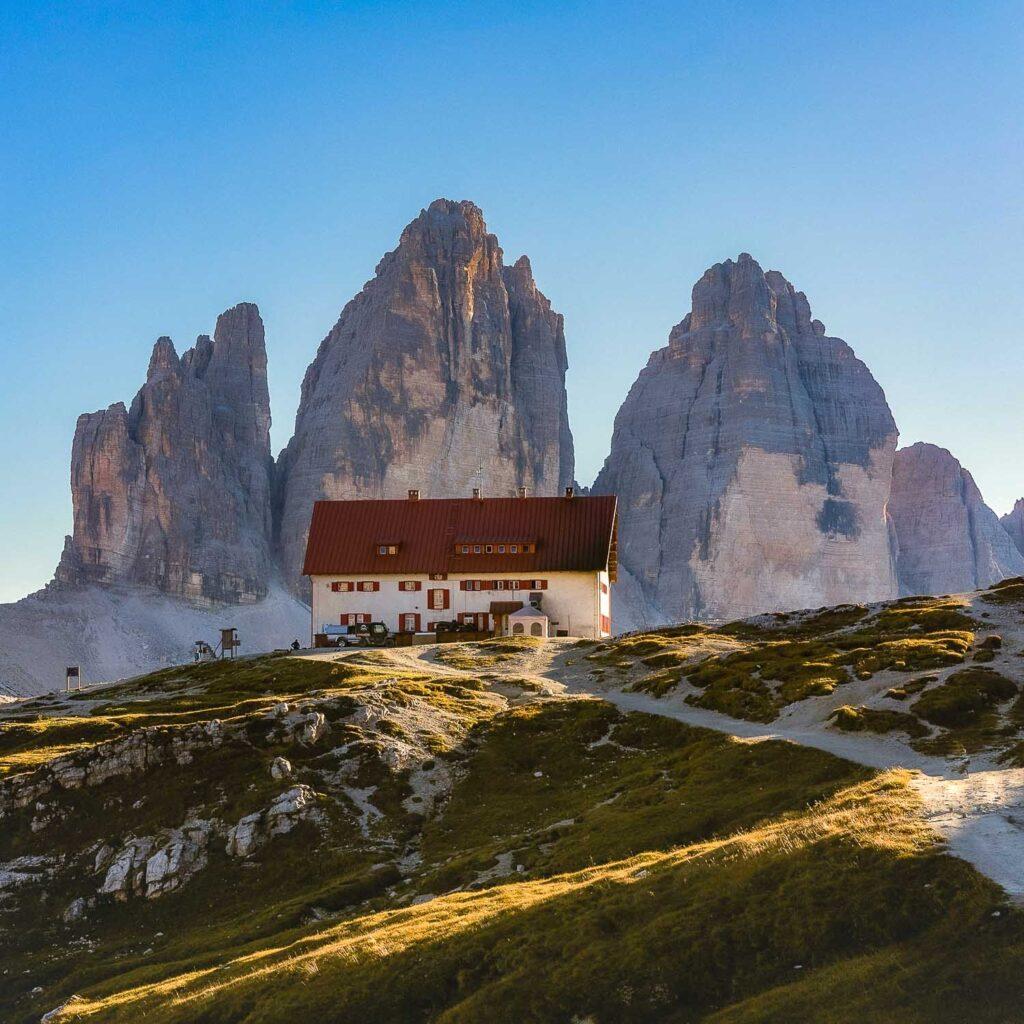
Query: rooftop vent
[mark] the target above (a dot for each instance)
(414, 494)
(477, 493)
(569, 492)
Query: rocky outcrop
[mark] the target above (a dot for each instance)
(947, 539)
(752, 460)
(1013, 524)
(446, 371)
(284, 813)
(151, 866)
(174, 493)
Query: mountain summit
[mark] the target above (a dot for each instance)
(752, 460)
(174, 493)
(447, 371)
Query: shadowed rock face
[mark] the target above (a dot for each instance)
(948, 540)
(174, 493)
(1013, 523)
(447, 370)
(752, 459)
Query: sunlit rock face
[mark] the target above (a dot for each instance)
(1013, 523)
(752, 459)
(947, 539)
(174, 493)
(447, 371)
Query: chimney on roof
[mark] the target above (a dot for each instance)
(520, 492)
(569, 492)
(414, 494)
(477, 493)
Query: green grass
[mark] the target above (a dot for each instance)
(861, 719)
(652, 872)
(753, 669)
(678, 934)
(966, 698)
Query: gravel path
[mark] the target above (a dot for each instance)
(976, 807)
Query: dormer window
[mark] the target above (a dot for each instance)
(488, 549)
(387, 549)
(513, 549)
(476, 549)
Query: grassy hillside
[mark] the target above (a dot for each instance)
(465, 850)
(945, 673)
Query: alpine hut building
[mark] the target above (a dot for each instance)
(523, 565)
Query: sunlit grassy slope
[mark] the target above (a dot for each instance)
(946, 672)
(581, 865)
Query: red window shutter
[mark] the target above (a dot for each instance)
(447, 598)
(343, 620)
(417, 618)
(463, 584)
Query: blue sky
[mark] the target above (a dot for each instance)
(163, 162)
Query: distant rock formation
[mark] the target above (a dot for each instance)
(1013, 523)
(947, 539)
(174, 493)
(752, 460)
(447, 371)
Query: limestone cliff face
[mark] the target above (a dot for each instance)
(174, 493)
(948, 540)
(752, 459)
(446, 371)
(1013, 524)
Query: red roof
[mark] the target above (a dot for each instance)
(570, 534)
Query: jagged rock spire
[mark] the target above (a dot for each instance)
(948, 540)
(446, 371)
(174, 493)
(752, 460)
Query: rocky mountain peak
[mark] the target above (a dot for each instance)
(446, 371)
(948, 540)
(752, 460)
(163, 361)
(174, 493)
(1013, 523)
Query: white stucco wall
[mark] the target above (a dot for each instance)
(573, 601)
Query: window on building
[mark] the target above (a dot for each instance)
(501, 549)
(409, 585)
(410, 622)
(606, 624)
(488, 549)
(499, 584)
(438, 599)
(387, 549)
(513, 549)
(369, 586)
(476, 549)
(341, 586)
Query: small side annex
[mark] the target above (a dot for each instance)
(414, 563)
